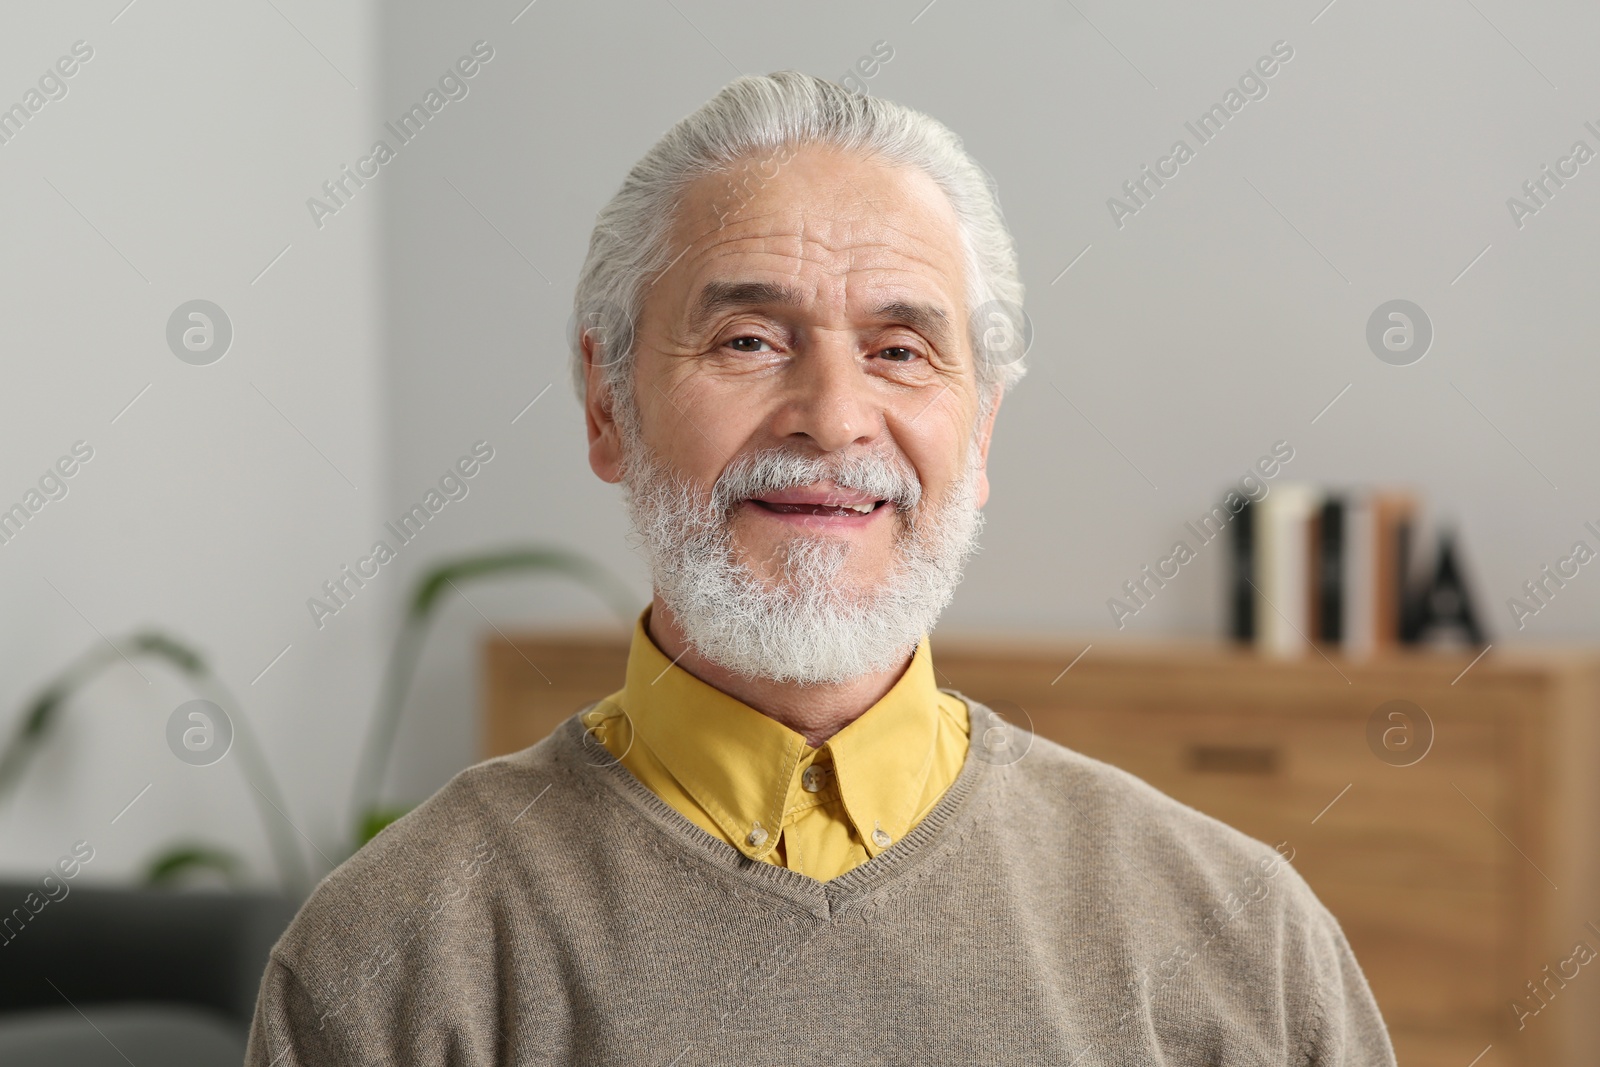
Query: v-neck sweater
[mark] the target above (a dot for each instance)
(547, 907)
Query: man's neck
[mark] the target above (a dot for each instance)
(816, 712)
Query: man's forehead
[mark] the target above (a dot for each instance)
(828, 221)
(811, 237)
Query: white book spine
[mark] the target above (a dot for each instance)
(1360, 579)
(1286, 567)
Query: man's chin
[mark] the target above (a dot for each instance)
(847, 586)
(857, 558)
(820, 603)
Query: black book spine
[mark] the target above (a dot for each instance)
(1330, 572)
(1405, 606)
(1242, 606)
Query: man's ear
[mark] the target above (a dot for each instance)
(605, 439)
(985, 431)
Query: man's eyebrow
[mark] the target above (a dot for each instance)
(928, 319)
(724, 296)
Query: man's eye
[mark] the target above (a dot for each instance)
(739, 341)
(897, 354)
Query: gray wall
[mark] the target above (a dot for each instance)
(177, 167)
(1223, 316)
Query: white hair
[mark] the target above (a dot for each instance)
(759, 115)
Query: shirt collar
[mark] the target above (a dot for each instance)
(742, 767)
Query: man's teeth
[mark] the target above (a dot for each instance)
(860, 509)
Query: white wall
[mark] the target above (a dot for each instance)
(189, 143)
(1224, 316)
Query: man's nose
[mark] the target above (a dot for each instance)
(830, 397)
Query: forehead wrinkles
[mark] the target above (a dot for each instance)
(848, 204)
(828, 255)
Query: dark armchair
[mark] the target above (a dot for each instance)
(113, 975)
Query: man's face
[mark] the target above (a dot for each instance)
(824, 315)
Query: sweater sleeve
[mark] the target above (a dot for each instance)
(1346, 1028)
(286, 1030)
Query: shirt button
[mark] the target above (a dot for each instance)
(756, 835)
(880, 837)
(812, 777)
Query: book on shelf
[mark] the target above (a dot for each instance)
(1333, 569)
(1285, 557)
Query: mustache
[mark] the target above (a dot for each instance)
(885, 476)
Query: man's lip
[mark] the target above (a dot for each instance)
(824, 497)
(812, 515)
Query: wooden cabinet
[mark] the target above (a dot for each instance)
(1459, 878)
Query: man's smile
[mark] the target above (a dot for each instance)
(823, 506)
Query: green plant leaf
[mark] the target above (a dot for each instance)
(37, 718)
(180, 861)
(374, 821)
(36, 723)
(180, 655)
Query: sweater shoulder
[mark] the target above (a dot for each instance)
(1057, 786)
(1213, 923)
(425, 896)
(483, 800)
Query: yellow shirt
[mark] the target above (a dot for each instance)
(753, 782)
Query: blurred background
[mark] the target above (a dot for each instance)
(359, 339)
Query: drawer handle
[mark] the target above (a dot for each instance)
(1233, 759)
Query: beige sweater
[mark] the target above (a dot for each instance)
(546, 907)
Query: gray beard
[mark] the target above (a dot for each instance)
(811, 626)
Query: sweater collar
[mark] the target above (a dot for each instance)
(745, 769)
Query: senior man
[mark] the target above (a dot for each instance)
(780, 842)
